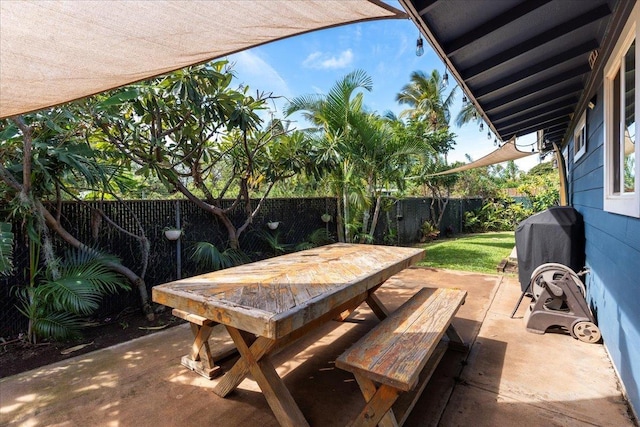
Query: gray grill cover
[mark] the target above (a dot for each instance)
(553, 235)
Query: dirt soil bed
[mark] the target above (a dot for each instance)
(18, 356)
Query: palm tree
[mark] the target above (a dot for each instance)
(467, 114)
(332, 114)
(426, 97)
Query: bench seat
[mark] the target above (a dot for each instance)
(400, 354)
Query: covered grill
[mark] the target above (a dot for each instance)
(555, 235)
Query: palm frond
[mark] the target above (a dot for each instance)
(6, 249)
(208, 257)
(70, 294)
(58, 325)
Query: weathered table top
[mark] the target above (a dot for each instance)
(276, 296)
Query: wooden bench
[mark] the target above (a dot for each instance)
(394, 361)
(200, 359)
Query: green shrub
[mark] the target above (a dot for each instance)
(496, 215)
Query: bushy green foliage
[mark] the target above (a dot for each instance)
(496, 215)
(428, 232)
(542, 186)
(542, 190)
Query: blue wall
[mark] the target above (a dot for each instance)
(613, 257)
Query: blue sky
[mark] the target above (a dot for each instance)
(313, 62)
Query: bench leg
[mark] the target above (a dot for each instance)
(455, 340)
(379, 402)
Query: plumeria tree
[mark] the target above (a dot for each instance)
(203, 139)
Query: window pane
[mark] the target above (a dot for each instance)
(630, 119)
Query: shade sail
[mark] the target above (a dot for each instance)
(53, 52)
(508, 151)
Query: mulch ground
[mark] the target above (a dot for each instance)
(18, 356)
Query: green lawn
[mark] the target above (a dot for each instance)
(473, 252)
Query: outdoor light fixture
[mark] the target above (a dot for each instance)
(445, 78)
(419, 46)
(475, 115)
(464, 100)
(481, 127)
(495, 141)
(489, 135)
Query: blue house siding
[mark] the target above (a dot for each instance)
(612, 256)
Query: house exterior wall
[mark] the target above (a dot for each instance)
(612, 257)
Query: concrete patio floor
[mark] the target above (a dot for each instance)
(509, 377)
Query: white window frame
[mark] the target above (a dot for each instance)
(580, 134)
(621, 202)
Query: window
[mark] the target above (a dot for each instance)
(621, 153)
(580, 138)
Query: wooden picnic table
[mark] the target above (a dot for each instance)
(267, 304)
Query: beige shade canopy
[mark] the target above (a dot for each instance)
(56, 51)
(508, 151)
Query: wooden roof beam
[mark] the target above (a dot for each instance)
(519, 117)
(535, 69)
(535, 42)
(534, 103)
(539, 120)
(492, 25)
(560, 78)
(564, 121)
(422, 7)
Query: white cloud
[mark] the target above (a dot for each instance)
(253, 71)
(319, 60)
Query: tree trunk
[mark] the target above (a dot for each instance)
(136, 280)
(345, 207)
(339, 220)
(376, 214)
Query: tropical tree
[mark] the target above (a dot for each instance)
(427, 99)
(45, 157)
(467, 114)
(203, 139)
(334, 138)
(438, 187)
(384, 160)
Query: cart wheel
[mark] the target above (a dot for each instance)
(586, 331)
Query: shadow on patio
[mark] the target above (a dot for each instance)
(509, 377)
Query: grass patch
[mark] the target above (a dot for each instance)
(473, 252)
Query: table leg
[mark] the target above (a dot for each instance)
(255, 359)
(240, 369)
(200, 359)
(377, 307)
